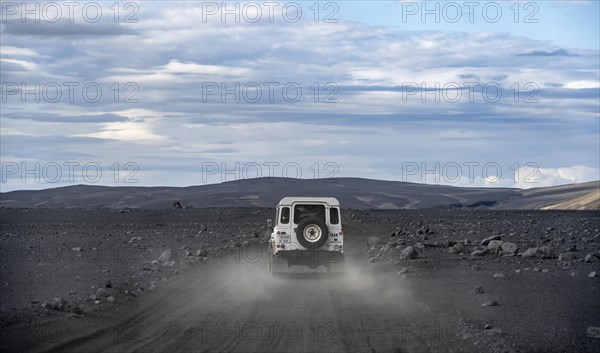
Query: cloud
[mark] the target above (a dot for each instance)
(18, 65)
(557, 52)
(8, 51)
(126, 131)
(64, 28)
(582, 84)
(63, 118)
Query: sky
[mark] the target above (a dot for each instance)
(465, 93)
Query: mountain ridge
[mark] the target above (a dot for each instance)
(359, 193)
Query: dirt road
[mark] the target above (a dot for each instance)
(233, 305)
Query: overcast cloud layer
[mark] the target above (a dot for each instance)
(375, 115)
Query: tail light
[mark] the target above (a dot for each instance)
(341, 233)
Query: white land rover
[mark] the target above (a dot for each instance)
(307, 233)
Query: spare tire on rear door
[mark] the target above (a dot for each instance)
(312, 233)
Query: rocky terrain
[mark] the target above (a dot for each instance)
(418, 280)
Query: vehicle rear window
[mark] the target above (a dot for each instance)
(285, 215)
(334, 216)
(304, 211)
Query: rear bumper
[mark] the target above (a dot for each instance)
(310, 258)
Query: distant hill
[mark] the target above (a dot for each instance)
(352, 192)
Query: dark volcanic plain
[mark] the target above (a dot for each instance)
(104, 280)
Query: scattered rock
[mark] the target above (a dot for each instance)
(402, 271)
(101, 293)
(593, 332)
(152, 266)
(593, 274)
(108, 284)
(490, 303)
(592, 257)
(488, 327)
(499, 275)
(374, 241)
(531, 252)
(408, 253)
(543, 252)
(169, 263)
(568, 256)
(536, 269)
(456, 248)
(165, 256)
(77, 248)
(477, 253)
(177, 204)
(546, 252)
(110, 299)
(509, 249)
(494, 246)
(476, 268)
(389, 246)
(477, 290)
(487, 240)
(57, 303)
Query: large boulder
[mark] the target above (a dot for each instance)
(57, 303)
(568, 256)
(542, 252)
(509, 249)
(531, 252)
(494, 246)
(102, 293)
(408, 253)
(456, 248)
(546, 252)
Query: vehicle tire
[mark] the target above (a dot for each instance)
(312, 233)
